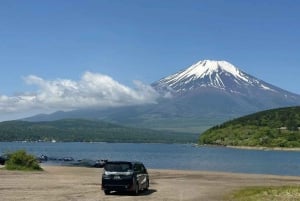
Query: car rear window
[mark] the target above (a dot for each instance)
(118, 167)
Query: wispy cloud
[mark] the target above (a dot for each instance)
(92, 90)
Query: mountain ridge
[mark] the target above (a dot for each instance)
(194, 99)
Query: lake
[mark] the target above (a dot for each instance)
(171, 156)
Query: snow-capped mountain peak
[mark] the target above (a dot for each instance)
(208, 67)
(208, 73)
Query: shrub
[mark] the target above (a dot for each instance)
(20, 160)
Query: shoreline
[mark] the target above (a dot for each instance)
(250, 147)
(46, 166)
(264, 148)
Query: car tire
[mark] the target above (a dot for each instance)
(147, 185)
(136, 189)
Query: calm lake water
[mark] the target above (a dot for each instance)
(171, 156)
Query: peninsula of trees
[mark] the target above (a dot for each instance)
(271, 128)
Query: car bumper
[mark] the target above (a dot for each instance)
(118, 187)
(122, 185)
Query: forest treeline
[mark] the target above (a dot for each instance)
(270, 128)
(81, 130)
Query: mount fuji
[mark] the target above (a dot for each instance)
(194, 99)
(222, 76)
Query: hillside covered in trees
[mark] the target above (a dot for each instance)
(80, 130)
(271, 128)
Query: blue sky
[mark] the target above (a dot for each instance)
(121, 46)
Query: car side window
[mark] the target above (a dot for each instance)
(139, 168)
(144, 171)
(136, 168)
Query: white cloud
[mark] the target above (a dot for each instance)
(92, 90)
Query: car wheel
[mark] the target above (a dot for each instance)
(107, 192)
(147, 185)
(136, 189)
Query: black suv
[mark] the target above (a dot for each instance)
(124, 176)
(3, 159)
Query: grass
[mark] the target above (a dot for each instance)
(278, 193)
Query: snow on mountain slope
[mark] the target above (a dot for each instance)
(217, 74)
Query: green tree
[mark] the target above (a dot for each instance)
(292, 124)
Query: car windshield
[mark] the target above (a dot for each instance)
(118, 167)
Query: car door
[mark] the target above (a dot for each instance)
(137, 173)
(143, 176)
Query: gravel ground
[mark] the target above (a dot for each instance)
(58, 183)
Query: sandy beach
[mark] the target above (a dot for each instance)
(58, 183)
(265, 148)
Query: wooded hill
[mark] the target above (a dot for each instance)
(80, 130)
(271, 128)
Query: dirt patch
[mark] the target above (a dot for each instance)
(84, 184)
